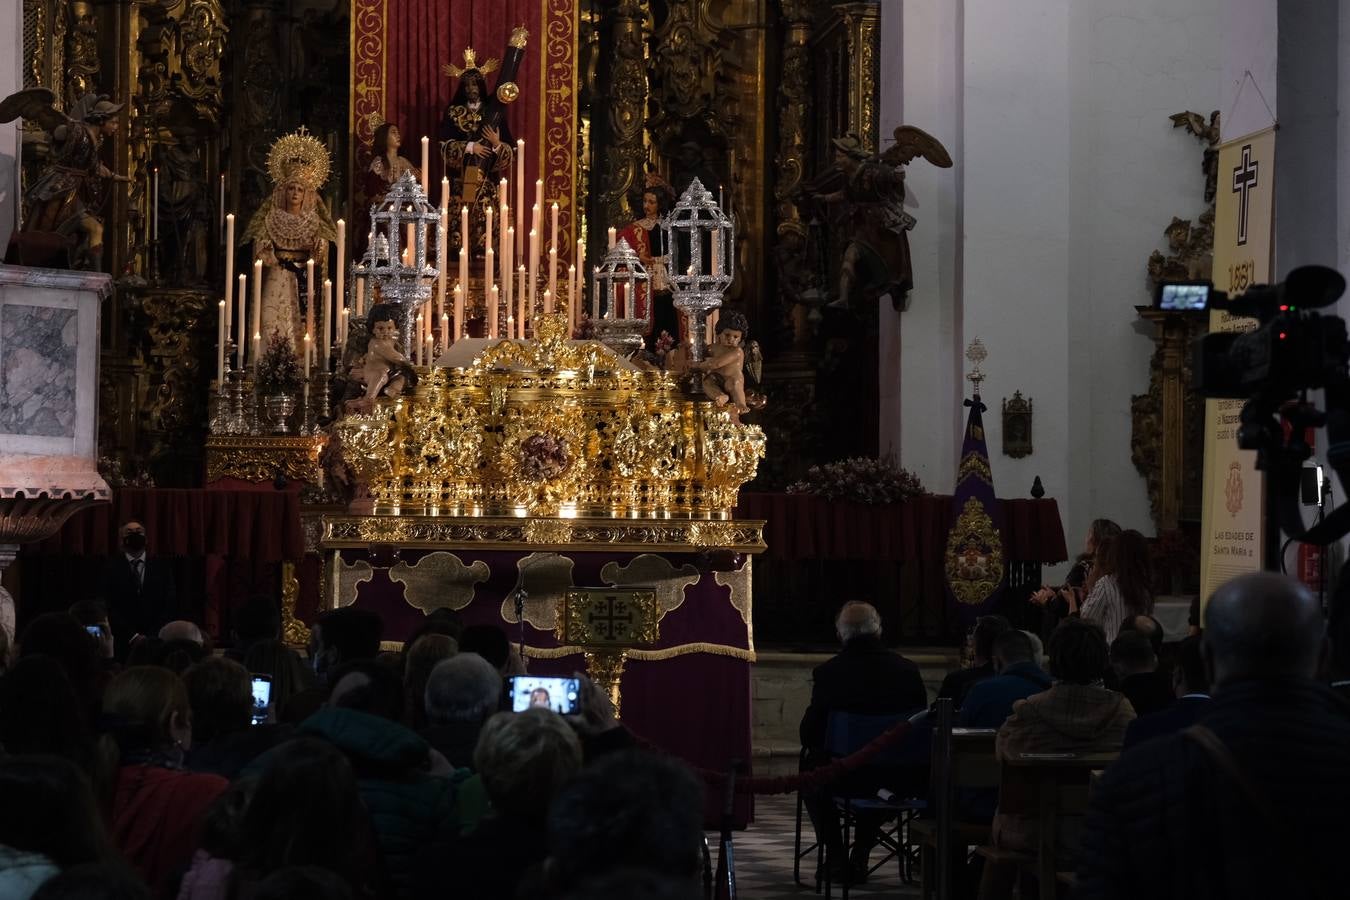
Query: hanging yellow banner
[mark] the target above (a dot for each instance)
(1232, 524)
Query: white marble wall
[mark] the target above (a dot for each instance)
(49, 353)
(1067, 170)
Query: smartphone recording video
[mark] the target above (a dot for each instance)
(1184, 297)
(95, 630)
(262, 697)
(562, 695)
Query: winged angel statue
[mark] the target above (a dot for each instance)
(67, 198)
(870, 187)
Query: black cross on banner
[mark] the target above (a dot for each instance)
(613, 621)
(1244, 179)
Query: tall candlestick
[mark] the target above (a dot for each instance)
(341, 262)
(309, 346)
(612, 237)
(503, 191)
(520, 192)
(553, 227)
(325, 338)
(535, 224)
(459, 313)
(534, 265)
(229, 273)
(220, 347)
(426, 161)
(492, 312)
(309, 296)
(255, 323)
(538, 202)
(572, 296)
(488, 262)
(239, 348)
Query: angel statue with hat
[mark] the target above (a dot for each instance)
(292, 226)
(476, 142)
(67, 199)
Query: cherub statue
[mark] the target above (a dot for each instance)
(724, 370)
(872, 188)
(386, 371)
(67, 199)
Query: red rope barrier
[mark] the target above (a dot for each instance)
(787, 784)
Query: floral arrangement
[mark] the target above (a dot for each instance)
(278, 370)
(543, 457)
(861, 479)
(110, 467)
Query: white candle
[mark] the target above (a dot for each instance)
(520, 188)
(536, 226)
(308, 346)
(417, 349)
(464, 247)
(717, 251)
(445, 330)
(221, 333)
(538, 204)
(326, 347)
(239, 348)
(445, 193)
(429, 348)
(229, 273)
(503, 253)
(309, 296)
(492, 311)
(440, 259)
(488, 261)
(548, 301)
(255, 324)
(510, 326)
(257, 350)
(572, 296)
(341, 262)
(520, 285)
(360, 297)
(487, 243)
(503, 190)
(612, 237)
(222, 211)
(459, 313)
(553, 228)
(552, 274)
(534, 265)
(154, 228)
(509, 255)
(426, 160)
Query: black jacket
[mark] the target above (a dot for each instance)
(957, 684)
(1166, 822)
(1148, 692)
(138, 606)
(863, 678)
(1180, 715)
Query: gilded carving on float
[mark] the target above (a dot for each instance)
(438, 580)
(438, 532)
(261, 459)
(656, 573)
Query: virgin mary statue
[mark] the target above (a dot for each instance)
(292, 226)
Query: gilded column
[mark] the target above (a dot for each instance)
(626, 153)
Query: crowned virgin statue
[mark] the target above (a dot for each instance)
(292, 226)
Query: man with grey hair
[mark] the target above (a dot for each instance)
(462, 693)
(864, 678)
(1251, 801)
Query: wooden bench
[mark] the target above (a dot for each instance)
(1051, 789)
(962, 758)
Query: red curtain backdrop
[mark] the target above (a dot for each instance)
(398, 48)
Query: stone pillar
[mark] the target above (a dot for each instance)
(49, 342)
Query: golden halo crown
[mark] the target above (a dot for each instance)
(300, 157)
(471, 65)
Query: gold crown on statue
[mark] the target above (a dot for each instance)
(519, 35)
(471, 65)
(299, 157)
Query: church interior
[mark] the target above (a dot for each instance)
(673, 448)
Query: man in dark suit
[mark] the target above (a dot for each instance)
(1137, 676)
(1191, 685)
(957, 684)
(1251, 801)
(863, 678)
(138, 589)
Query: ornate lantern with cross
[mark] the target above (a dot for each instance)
(402, 228)
(621, 302)
(606, 623)
(700, 240)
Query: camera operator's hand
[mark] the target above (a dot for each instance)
(597, 712)
(1042, 596)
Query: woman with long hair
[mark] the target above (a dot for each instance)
(306, 811)
(48, 822)
(155, 807)
(1120, 586)
(1058, 603)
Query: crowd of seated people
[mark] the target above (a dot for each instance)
(369, 774)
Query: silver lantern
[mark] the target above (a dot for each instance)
(700, 262)
(618, 284)
(403, 220)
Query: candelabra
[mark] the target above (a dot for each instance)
(402, 227)
(621, 285)
(700, 241)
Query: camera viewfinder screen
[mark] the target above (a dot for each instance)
(262, 697)
(557, 694)
(1184, 297)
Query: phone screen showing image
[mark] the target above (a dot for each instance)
(562, 695)
(262, 698)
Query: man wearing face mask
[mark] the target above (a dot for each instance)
(139, 590)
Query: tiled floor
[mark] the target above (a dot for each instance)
(763, 857)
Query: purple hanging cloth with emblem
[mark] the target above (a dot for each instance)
(975, 562)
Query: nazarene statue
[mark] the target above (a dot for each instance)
(292, 226)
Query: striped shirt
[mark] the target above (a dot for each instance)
(1105, 606)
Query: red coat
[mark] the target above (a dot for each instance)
(157, 818)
